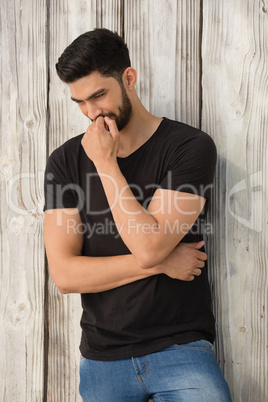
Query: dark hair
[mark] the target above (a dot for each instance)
(99, 50)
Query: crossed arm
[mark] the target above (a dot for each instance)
(73, 273)
(152, 244)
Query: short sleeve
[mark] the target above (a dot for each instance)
(191, 166)
(59, 190)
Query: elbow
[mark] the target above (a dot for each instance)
(61, 284)
(61, 273)
(63, 291)
(149, 259)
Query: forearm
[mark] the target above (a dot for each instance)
(137, 227)
(143, 231)
(80, 274)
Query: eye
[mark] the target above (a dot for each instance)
(98, 96)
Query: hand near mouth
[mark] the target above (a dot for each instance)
(100, 147)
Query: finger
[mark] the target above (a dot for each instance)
(197, 272)
(190, 278)
(200, 264)
(112, 127)
(99, 121)
(198, 244)
(195, 245)
(202, 256)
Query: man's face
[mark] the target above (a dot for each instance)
(102, 96)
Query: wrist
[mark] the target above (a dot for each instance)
(156, 270)
(106, 165)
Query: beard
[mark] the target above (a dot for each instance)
(125, 111)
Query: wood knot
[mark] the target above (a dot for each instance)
(16, 225)
(30, 124)
(6, 167)
(243, 329)
(19, 312)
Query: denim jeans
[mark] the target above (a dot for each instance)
(188, 373)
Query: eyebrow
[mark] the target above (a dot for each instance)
(98, 92)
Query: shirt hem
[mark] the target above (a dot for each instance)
(117, 355)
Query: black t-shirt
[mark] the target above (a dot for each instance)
(150, 314)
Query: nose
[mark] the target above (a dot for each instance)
(92, 111)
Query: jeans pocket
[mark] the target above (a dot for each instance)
(207, 345)
(201, 344)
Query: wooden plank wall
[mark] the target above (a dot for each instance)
(67, 21)
(235, 105)
(201, 62)
(22, 161)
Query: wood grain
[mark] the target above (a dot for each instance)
(68, 20)
(235, 95)
(227, 81)
(163, 38)
(23, 153)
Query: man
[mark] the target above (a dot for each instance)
(119, 200)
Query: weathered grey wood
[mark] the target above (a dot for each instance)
(22, 161)
(110, 15)
(235, 94)
(163, 38)
(67, 21)
(164, 43)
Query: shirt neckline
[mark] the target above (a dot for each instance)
(119, 158)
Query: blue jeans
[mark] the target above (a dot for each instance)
(188, 372)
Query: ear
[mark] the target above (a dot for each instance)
(130, 78)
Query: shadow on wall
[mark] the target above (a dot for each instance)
(238, 222)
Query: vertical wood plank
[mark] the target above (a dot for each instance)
(110, 15)
(23, 151)
(163, 38)
(235, 89)
(67, 21)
